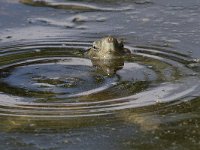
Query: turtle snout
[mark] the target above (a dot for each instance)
(110, 39)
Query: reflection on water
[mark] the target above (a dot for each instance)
(108, 67)
(53, 97)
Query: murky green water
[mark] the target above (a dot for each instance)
(53, 97)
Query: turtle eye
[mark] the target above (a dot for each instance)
(94, 47)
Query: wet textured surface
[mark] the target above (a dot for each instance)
(53, 97)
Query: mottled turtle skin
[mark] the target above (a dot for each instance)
(107, 48)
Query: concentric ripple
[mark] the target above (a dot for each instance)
(69, 5)
(53, 79)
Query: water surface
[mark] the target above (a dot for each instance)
(53, 97)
